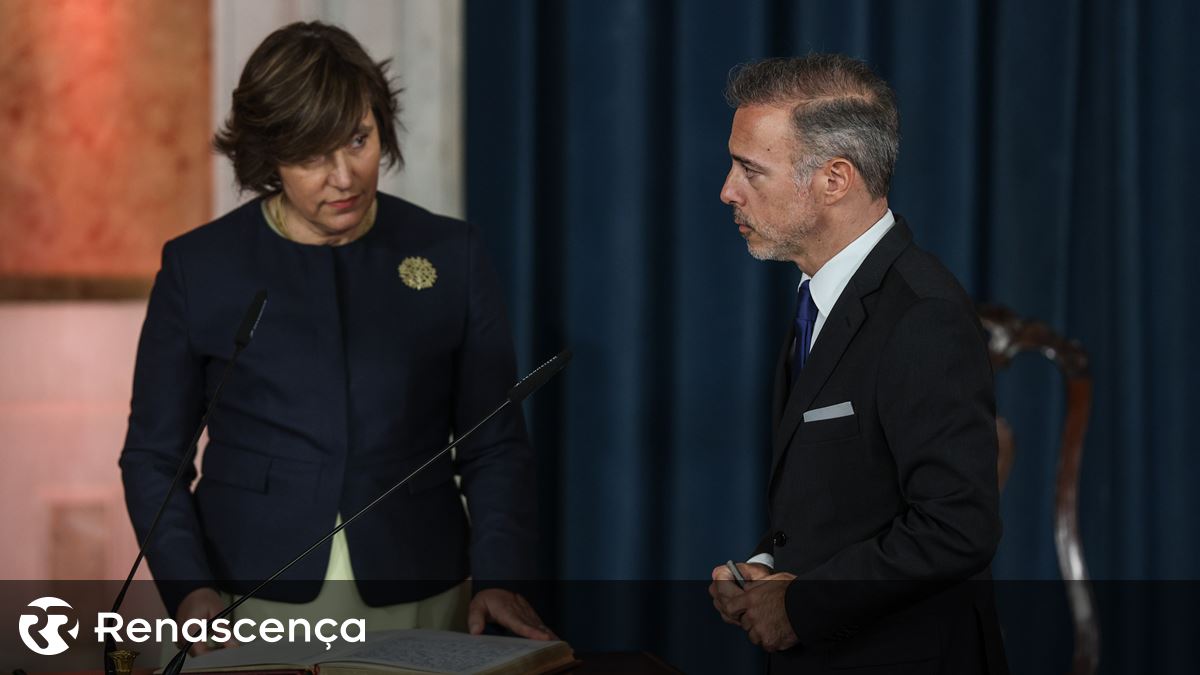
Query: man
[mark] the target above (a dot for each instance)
(882, 497)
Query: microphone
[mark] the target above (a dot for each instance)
(241, 340)
(250, 320)
(519, 392)
(541, 375)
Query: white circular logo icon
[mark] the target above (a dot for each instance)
(50, 634)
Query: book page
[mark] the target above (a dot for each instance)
(438, 651)
(259, 653)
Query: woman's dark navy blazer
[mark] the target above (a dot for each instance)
(353, 378)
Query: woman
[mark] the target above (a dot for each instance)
(383, 335)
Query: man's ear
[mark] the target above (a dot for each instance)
(837, 176)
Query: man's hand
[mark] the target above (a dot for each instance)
(763, 613)
(509, 610)
(723, 586)
(202, 603)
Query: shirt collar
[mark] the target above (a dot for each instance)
(829, 282)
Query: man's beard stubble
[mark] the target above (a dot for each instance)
(774, 243)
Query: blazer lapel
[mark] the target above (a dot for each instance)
(840, 327)
(780, 395)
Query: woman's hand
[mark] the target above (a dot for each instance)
(508, 609)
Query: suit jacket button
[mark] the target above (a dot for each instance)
(780, 539)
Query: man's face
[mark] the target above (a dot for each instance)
(774, 212)
(332, 193)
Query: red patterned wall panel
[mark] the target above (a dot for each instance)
(104, 129)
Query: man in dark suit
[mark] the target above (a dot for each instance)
(882, 498)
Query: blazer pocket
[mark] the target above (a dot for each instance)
(238, 468)
(833, 429)
(829, 412)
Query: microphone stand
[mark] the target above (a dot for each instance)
(245, 331)
(522, 389)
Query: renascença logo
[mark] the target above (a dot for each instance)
(109, 624)
(51, 633)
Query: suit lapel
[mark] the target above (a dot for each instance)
(780, 396)
(840, 327)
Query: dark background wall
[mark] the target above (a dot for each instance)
(1046, 158)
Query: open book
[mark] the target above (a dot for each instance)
(393, 652)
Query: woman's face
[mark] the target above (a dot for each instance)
(328, 195)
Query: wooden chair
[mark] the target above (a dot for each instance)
(1009, 335)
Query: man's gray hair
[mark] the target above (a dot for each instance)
(840, 108)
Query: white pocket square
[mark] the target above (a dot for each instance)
(829, 412)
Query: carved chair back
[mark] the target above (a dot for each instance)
(1009, 335)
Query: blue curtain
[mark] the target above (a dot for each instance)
(1046, 158)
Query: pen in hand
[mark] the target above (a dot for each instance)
(737, 574)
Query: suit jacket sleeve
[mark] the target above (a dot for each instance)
(167, 405)
(765, 545)
(497, 463)
(937, 413)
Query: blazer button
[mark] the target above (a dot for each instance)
(780, 538)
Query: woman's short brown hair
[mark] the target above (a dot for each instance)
(302, 94)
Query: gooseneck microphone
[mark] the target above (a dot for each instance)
(534, 380)
(241, 340)
(250, 321)
(519, 392)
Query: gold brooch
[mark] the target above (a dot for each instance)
(417, 273)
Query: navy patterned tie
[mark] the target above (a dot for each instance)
(806, 318)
